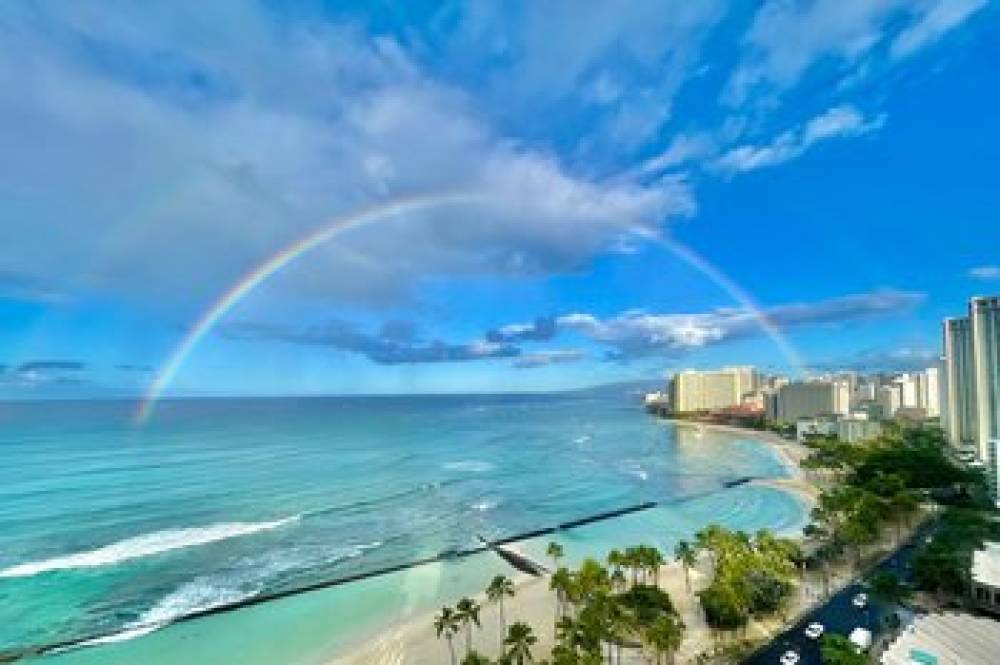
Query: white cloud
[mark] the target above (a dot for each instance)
(682, 149)
(986, 273)
(546, 358)
(162, 166)
(838, 122)
(939, 18)
(786, 39)
(637, 333)
(633, 60)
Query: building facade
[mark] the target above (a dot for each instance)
(930, 392)
(693, 391)
(808, 400)
(960, 388)
(984, 317)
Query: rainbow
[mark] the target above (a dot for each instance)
(360, 218)
(166, 373)
(734, 291)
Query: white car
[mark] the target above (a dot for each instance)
(789, 658)
(860, 601)
(814, 630)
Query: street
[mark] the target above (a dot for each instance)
(838, 615)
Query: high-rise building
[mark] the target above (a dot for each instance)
(909, 390)
(984, 317)
(810, 399)
(693, 391)
(865, 391)
(972, 383)
(929, 397)
(960, 387)
(890, 399)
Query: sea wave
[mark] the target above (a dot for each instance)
(485, 505)
(248, 579)
(145, 545)
(471, 466)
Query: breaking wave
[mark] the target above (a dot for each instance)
(215, 590)
(145, 545)
(470, 466)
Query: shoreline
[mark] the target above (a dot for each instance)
(789, 453)
(412, 639)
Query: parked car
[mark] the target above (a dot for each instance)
(789, 658)
(861, 638)
(814, 630)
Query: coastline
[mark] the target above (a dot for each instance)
(790, 453)
(413, 640)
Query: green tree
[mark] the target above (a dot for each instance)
(654, 560)
(467, 612)
(888, 587)
(562, 583)
(665, 636)
(688, 557)
(500, 587)
(475, 658)
(838, 650)
(519, 641)
(555, 552)
(446, 625)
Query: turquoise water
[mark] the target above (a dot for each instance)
(112, 532)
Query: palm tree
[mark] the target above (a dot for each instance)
(616, 559)
(665, 636)
(476, 658)
(446, 624)
(654, 559)
(555, 552)
(499, 587)
(519, 641)
(618, 581)
(630, 559)
(467, 611)
(561, 582)
(688, 557)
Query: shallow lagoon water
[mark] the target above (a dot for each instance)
(111, 531)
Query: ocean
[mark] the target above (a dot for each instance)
(110, 534)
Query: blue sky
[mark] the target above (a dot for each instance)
(834, 159)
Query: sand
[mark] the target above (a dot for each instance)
(413, 641)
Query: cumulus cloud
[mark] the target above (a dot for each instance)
(897, 359)
(838, 122)
(215, 153)
(787, 39)
(541, 329)
(636, 333)
(627, 64)
(376, 347)
(986, 273)
(546, 358)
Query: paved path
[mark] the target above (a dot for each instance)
(838, 614)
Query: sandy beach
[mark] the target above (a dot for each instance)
(413, 640)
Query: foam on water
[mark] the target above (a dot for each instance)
(145, 545)
(470, 466)
(217, 590)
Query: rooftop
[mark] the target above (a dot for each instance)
(946, 639)
(986, 565)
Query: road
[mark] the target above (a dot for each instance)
(838, 615)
